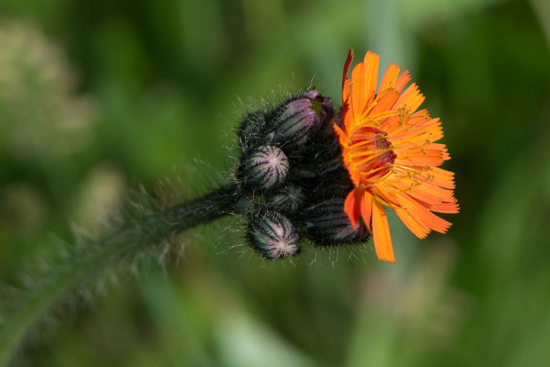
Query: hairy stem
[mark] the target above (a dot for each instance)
(89, 262)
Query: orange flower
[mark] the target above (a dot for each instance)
(389, 150)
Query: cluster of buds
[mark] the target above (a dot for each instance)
(290, 173)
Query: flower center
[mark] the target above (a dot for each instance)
(371, 153)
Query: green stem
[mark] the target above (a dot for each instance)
(107, 251)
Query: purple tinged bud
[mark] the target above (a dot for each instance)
(273, 235)
(327, 224)
(301, 119)
(263, 168)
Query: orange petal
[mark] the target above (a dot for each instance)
(366, 210)
(346, 111)
(411, 97)
(418, 134)
(371, 77)
(424, 215)
(402, 81)
(358, 179)
(340, 134)
(381, 233)
(358, 96)
(352, 207)
(442, 148)
(385, 196)
(384, 103)
(443, 178)
(419, 159)
(391, 124)
(431, 194)
(389, 78)
(346, 67)
(444, 207)
(419, 229)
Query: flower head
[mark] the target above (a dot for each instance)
(390, 151)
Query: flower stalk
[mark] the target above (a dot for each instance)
(108, 251)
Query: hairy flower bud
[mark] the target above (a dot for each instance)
(263, 168)
(290, 199)
(327, 224)
(273, 235)
(301, 119)
(251, 129)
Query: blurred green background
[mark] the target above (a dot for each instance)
(100, 96)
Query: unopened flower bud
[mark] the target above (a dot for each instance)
(290, 199)
(273, 235)
(301, 119)
(327, 224)
(263, 168)
(250, 130)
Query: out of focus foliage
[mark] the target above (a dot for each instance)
(100, 96)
